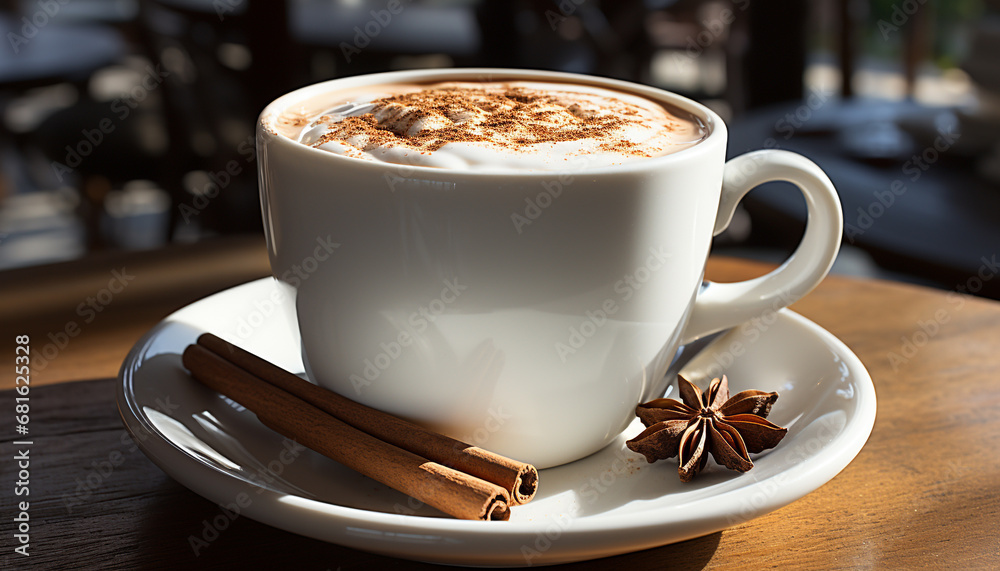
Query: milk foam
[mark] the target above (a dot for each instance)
(517, 125)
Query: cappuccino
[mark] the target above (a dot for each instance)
(511, 125)
(582, 301)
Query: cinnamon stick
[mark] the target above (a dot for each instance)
(453, 492)
(519, 479)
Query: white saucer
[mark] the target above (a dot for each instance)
(610, 503)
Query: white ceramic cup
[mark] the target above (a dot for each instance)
(524, 312)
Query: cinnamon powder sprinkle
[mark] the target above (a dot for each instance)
(512, 118)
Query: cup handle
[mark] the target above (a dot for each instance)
(722, 305)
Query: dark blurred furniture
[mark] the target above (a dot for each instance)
(97, 148)
(364, 37)
(597, 37)
(912, 201)
(774, 60)
(228, 58)
(55, 53)
(224, 60)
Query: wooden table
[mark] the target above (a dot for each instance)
(923, 493)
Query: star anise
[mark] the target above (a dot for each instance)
(710, 422)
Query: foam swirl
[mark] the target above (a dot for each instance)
(499, 125)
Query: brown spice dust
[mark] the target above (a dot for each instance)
(510, 118)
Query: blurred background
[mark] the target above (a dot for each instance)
(128, 124)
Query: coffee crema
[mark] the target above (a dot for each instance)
(510, 125)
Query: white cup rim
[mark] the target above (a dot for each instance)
(717, 132)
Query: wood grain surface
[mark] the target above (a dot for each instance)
(923, 493)
(46, 301)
